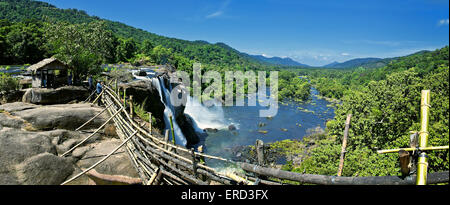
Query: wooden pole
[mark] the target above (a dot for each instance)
(93, 117)
(404, 162)
(422, 164)
(260, 152)
(200, 150)
(412, 149)
(95, 132)
(344, 145)
(153, 177)
(173, 131)
(166, 139)
(131, 106)
(150, 122)
(98, 97)
(124, 97)
(116, 88)
(194, 162)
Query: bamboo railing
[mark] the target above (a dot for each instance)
(159, 161)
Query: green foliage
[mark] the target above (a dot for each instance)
(21, 43)
(8, 83)
(292, 87)
(126, 49)
(83, 46)
(140, 111)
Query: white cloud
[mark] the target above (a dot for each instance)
(214, 15)
(220, 11)
(345, 54)
(443, 22)
(267, 56)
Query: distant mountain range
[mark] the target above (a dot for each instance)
(278, 61)
(358, 62)
(365, 62)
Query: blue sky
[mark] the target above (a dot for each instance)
(311, 32)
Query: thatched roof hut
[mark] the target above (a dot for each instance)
(49, 72)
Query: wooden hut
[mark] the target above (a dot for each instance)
(49, 73)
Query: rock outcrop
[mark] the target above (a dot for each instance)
(48, 96)
(30, 158)
(32, 137)
(66, 116)
(43, 169)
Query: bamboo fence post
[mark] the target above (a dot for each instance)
(404, 161)
(152, 179)
(124, 97)
(194, 162)
(116, 88)
(422, 164)
(202, 158)
(98, 97)
(344, 145)
(150, 122)
(166, 139)
(260, 152)
(131, 106)
(173, 131)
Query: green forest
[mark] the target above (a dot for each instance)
(385, 104)
(384, 101)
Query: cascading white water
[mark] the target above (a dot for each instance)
(164, 93)
(205, 117)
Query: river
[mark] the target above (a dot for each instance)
(293, 121)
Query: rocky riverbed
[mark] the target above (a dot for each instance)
(279, 153)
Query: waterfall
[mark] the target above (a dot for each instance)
(169, 110)
(205, 117)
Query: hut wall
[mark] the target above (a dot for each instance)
(36, 82)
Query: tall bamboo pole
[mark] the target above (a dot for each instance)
(131, 106)
(171, 128)
(150, 122)
(422, 164)
(344, 144)
(117, 87)
(124, 97)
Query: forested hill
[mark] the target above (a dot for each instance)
(279, 61)
(367, 62)
(216, 54)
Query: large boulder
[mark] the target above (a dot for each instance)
(43, 169)
(66, 116)
(15, 147)
(47, 96)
